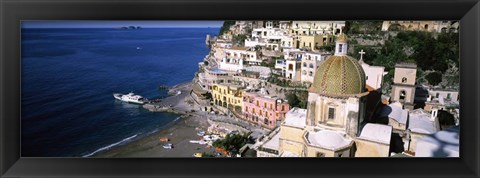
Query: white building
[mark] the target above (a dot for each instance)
(293, 70)
(246, 54)
(270, 37)
(374, 75)
(430, 26)
(421, 124)
(296, 117)
(450, 95)
(310, 63)
(397, 116)
(264, 72)
(445, 143)
(231, 65)
(317, 27)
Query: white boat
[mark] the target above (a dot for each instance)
(201, 133)
(194, 141)
(168, 146)
(130, 97)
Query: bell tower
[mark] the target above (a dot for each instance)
(403, 88)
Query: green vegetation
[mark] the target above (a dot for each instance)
(430, 51)
(434, 78)
(226, 26)
(297, 99)
(205, 63)
(208, 155)
(328, 47)
(274, 78)
(445, 119)
(363, 27)
(232, 142)
(268, 63)
(239, 39)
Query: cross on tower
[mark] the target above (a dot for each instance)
(361, 54)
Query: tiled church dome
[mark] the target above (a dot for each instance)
(339, 76)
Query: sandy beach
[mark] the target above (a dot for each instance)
(179, 133)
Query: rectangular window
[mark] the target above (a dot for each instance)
(271, 106)
(331, 113)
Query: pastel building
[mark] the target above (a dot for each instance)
(316, 27)
(264, 110)
(333, 124)
(312, 42)
(310, 63)
(403, 87)
(246, 54)
(228, 96)
(214, 76)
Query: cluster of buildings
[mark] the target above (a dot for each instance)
(338, 121)
(429, 26)
(346, 114)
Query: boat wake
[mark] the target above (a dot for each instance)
(110, 146)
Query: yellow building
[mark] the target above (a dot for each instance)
(312, 42)
(228, 96)
(333, 123)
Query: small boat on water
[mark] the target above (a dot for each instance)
(168, 146)
(130, 97)
(201, 133)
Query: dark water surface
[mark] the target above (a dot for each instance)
(69, 75)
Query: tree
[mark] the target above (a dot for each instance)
(205, 63)
(434, 78)
(445, 119)
(239, 39)
(293, 100)
(232, 142)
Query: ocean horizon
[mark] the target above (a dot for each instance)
(68, 76)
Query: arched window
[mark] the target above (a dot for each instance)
(404, 80)
(304, 72)
(310, 73)
(402, 94)
(290, 66)
(311, 66)
(304, 64)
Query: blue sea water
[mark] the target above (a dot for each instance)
(69, 75)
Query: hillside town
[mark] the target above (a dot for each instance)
(331, 89)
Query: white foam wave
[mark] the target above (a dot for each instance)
(110, 146)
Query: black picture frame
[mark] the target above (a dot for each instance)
(13, 11)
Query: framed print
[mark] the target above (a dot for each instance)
(227, 88)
